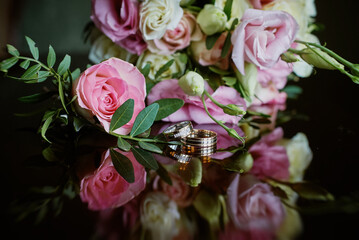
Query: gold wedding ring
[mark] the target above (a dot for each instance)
(178, 131)
(200, 138)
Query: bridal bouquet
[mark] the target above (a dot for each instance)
(225, 66)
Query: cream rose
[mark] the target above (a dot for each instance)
(103, 48)
(156, 61)
(159, 214)
(157, 16)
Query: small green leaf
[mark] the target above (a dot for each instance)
(123, 144)
(122, 115)
(78, 124)
(149, 147)
(44, 128)
(62, 95)
(144, 119)
(75, 74)
(219, 71)
(146, 69)
(226, 45)
(234, 24)
(145, 158)
(34, 50)
(25, 64)
(163, 173)
(164, 68)
(31, 72)
(230, 81)
(35, 98)
(12, 50)
(41, 214)
(42, 76)
(167, 106)
(64, 65)
(211, 40)
(228, 8)
(49, 154)
(311, 191)
(123, 166)
(51, 57)
(8, 63)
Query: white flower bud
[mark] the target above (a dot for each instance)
(192, 83)
(320, 59)
(211, 19)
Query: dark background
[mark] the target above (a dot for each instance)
(329, 99)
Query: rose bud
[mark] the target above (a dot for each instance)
(320, 59)
(192, 83)
(211, 19)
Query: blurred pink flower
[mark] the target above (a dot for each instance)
(270, 160)
(262, 37)
(105, 188)
(252, 206)
(193, 109)
(134, 43)
(276, 75)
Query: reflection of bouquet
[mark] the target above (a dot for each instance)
(223, 65)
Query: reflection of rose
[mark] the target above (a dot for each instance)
(270, 160)
(262, 37)
(179, 191)
(252, 205)
(193, 108)
(159, 214)
(102, 88)
(116, 19)
(105, 188)
(179, 38)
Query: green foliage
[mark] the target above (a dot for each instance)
(34, 50)
(123, 144)
(123, 166)
(8, 63)
(163, 69)
(51, 57)
(64, 65)
(122, 115)
(211, 40)
(145, 158)
(167, 106)
(228, 8)
(144, 119)
(150, 147)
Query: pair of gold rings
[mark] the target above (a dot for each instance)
(196, 142)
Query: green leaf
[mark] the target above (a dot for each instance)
(211, 40)
(123, 165)
(234, 24)
(31, 72)
(44, 128)
(164, 68)
(25, 64)
(49, 154)
(167, 106)
(75, 74)
(123, 144)
(226, 45)
(230, 81)
(163, 173)
(78, 123)
(61, 95)
(8, 63)
(41, 214)
(145, 158)
(35, 98)
(12, 50)
(122, 115)
(149, 147)
(42, 76)
(64, 65)
(144, 119)
(228, 8)
(34, 50)
(219, 71)
(311, 191)
(51, 57)
(146, 69)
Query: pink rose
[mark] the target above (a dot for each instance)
(180, 192)
(223, 139)
(276, 75)
(179, 38)
(269, 95)
(105, 188)
(262, 37)
(270, 160)
(117, 19)
(193, 109)
(102, 88)
(252, 205)
(269, 109)
(134, 43)
(258, 4)
(213, 56)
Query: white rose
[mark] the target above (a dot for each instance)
(157, 16)
(301, 10)
(299, 154)
(156, 61)
(103, 48)
(238, 9)
(159, 214)
(211, 19)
